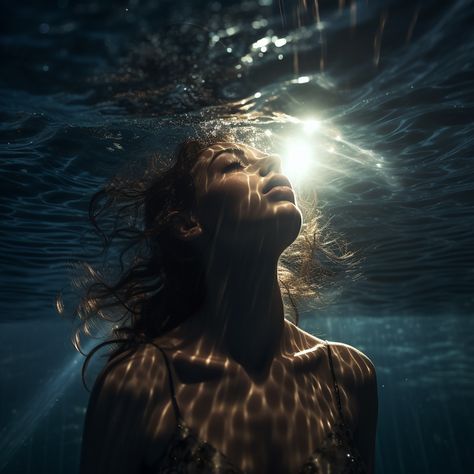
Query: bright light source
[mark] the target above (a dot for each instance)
(280, 42)
(261, 43)
(303, 79)
(297, 159)
(311, 125)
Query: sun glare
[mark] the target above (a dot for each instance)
(311, 125)
(297, 159)
(313, 151)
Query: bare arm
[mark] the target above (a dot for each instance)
(367, 400)
(114, 437)
(358, 377)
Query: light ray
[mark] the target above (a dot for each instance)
(21, 429)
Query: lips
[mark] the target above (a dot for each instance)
(278, 180)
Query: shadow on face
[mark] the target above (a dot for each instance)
(243, 199)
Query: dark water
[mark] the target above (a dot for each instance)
(87, 86)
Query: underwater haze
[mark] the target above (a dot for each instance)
(378, 94)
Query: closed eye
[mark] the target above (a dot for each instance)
(236, 164)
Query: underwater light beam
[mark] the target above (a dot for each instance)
(21, 429)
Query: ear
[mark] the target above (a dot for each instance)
(185, 226)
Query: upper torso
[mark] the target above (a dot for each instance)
(271, 426)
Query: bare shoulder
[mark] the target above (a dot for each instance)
(121, 407)
(132, 382)
(131, 372)
(353, 365)
(357, 375)
(357, 381)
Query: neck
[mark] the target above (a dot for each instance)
(243, 313)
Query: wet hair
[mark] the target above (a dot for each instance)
(157, 280)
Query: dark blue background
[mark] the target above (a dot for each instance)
(86, 86)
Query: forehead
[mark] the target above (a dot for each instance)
(206, 156)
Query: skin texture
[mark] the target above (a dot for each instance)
(255, 386)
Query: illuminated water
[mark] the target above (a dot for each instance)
(85, 86)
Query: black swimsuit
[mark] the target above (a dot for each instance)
(187, 454)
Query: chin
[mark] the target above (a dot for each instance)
(287, 224)
(289, 211)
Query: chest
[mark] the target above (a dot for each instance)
(270, 427)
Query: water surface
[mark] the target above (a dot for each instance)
(86, 87)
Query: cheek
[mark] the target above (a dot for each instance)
(234, 208)
(231, 200)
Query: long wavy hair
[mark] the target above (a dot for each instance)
(148, 281)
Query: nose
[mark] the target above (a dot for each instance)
(270, 163)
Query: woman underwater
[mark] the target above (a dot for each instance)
(213, 377)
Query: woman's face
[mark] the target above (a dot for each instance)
(243, 199)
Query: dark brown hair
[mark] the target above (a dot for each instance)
(157, 281)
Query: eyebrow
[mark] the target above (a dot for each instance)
(237, 151)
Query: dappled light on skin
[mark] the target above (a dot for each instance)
(239, 175)
(274, 425)
(236, 387)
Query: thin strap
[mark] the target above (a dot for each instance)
(336, 386)
(170, 379)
